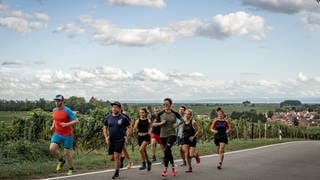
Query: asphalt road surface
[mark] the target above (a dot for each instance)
(292, 161)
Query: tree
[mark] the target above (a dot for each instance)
(246, 103)
(76, 104)
(290, 103)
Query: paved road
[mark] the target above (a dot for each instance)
(292, 161)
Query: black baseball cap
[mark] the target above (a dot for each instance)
(116, 103)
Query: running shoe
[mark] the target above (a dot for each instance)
(174, 173)
(129, 165)
(197, 159)
(164, 174)
(60, 165)
(149, 165)
(121, 161)
(189, 170)
(70, 172)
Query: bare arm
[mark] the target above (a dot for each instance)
(149, 126)
(212, 128)
(106, 134)
(135, 128)
(130, 129)
(228, 126)
(197, 127)
(162, 122)
(71, 123)
(52, 126)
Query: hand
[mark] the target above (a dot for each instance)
(215, 131)
(126, 139)
(174, 125)
(51, 128)
(64, 124)
(191, 138)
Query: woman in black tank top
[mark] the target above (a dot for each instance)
(190, 132)
(220, 127)
(143, 126)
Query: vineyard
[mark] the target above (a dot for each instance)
(34, 127)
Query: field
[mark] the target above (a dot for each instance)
(9, 115)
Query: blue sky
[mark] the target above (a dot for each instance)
(150, 49)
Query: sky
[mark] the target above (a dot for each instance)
(152, 49)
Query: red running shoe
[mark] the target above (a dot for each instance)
(197, 159)
(174, 173)
(164, 174)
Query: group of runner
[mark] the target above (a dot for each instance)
(164, 128)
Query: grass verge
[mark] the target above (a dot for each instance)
(97, 160)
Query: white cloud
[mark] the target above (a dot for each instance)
(197, 74)
(42, 16)
(220, 27)
(22, 22)
(283, 6)
(114, 73)
(148, 3)
(302, 77)
(71, 29)
(154, 74)
(311, 21)
(115, 83)
(235, 24)
(59, 76)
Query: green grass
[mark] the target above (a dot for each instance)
(97, 160)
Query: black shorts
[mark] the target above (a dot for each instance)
(146, 138)
(220, 139)
(190, 143)
(115, 146)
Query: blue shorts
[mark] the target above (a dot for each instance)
(67, 140)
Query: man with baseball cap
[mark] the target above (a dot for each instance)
(63, 120)
(115, 133)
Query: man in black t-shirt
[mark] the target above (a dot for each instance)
(114, 131)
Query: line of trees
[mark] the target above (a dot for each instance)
(75, 103)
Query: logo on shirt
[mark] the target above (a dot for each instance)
(120, 121)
